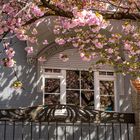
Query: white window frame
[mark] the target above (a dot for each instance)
(109, 78)
(97, 78)
(62, 78)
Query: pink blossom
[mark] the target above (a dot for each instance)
(29, 50)
(75, 45)
(118, 57)
(45, 42)
(138, 44)
(66, 24)
(110, 50)
(1, 31)
(8, 62)
(128, 28)
(63, 57)
(85, 57)
(42, 59)
(56, 31)
(36, 11)
(127, 46)
(10, 52)
(34, 32)
(60, 41)
(32, 39)
(98, 44)
(7, 8)
(111, 40)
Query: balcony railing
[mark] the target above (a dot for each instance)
(64, 122)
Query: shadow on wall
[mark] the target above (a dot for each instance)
(126, 97)
(11, 98)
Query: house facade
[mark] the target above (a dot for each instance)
(72, 82)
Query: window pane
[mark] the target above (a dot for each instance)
(87, 98)
(110, 73)
(72, 79)
(52, 85)
(87, 80)
(73, 97)
(48, 70)
(102, 72)
(52, 98)
(107, 87)
(52, 70)
(107, 103)
(56, 70)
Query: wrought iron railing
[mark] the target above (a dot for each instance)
(45, 122)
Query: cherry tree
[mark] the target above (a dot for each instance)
(79, 23)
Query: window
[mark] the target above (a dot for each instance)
(81, 88)
(106, 95)
(52, 91)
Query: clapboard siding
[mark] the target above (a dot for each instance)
(74, 62)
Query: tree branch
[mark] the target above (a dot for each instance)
(57, 10)
(120, 15)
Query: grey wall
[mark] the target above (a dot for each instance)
(10, 98)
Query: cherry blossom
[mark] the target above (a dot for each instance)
(10, 52)
(79, 23)
(60, 41)
(29, 50)
(63, 57)
(45, 42)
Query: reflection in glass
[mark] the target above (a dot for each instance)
(107, 87)
(72, 79)
(56, 70)
(102, 72)
(52, 85)
(52, 70)
(73, 97)
(87, 98)
(48, 70)
(87, 80)
(52, 99)
(107, 103)
(110, 73)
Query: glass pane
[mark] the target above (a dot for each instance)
(87, 98)
(52, 85)
(52, 98)
(73, 97)
(48, 70)
(107, 103)
(72, 79)
(87, 80)
(102, 72)
(56, 70)
(52, 70)
(107, 87)
(110, 73)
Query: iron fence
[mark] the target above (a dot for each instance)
(64, 122)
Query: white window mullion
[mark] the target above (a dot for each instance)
(43, 83)
(63, 87)
(97, 91)
(80, 87)
(116, 97)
